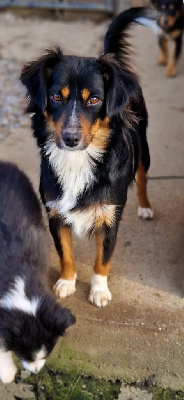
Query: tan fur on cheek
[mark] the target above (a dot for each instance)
(172, 20)
(100, 132)
(55, 127)
(85, 130)
(97, 133)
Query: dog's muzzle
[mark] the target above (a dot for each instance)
(71, 139)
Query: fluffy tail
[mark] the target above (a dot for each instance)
(115, 38)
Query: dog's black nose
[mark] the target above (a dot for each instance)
(71, 139)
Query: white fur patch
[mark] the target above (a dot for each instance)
(145, 213)
(34, 366)
(73, 119)
(7, 366)
(39, 355)
(16, 298)
(74, 170)
(65, 287)
(83, 221)
(100, 294)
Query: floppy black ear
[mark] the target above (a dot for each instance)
(36, 74)
(15, 321)
(121, 84)
(53, 316)
(63, 319)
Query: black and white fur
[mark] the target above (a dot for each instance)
(31, 320)
(89, 119)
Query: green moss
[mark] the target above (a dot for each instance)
(49, 385)
(166, 394)
(58, 381)
(157, 393)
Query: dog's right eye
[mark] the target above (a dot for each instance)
(56, 97)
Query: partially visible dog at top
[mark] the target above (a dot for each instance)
(31, 319)
(170, 21)
(89, 119)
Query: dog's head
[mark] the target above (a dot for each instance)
(32, 336)
(169, 11)
(78, 96)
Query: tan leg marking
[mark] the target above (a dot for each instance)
(68, 269)
(141, 187)
(100, 268)
(163, 58)
(66, 284)
(171, 69)
(144, 209)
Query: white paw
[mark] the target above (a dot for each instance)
(100, 294)
(7, 373)
(145, 213)
(65, 287)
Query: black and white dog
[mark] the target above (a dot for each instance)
(31, 320)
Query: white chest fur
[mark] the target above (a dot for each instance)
(75, 173)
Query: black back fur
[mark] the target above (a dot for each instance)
(24, 254)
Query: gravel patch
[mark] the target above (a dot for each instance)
(132, 393)
(12, 99)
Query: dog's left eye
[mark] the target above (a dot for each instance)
(56, 97)
(93, 100)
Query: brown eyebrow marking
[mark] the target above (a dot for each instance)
(85, 94)
(65, 92)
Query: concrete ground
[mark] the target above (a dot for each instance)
(140, 335)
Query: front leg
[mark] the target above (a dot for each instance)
(7, 366)
(163, 57)
(100, 294)
(63, 242)
(174, 56)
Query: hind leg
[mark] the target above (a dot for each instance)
(144, 208)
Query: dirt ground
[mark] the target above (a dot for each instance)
(140, 335)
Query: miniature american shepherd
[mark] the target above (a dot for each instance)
(31, 319)
(170, 21)
(89, 119)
